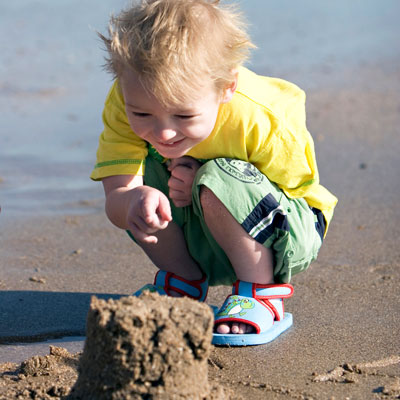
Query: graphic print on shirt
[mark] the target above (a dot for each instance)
(241, 170)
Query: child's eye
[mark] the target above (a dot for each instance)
(185, 116)
(139, 114)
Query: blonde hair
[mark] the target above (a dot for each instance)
(175, 45)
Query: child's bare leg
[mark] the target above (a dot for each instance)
(251, 261)
(171, 254)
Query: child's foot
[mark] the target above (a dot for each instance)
(253, 314)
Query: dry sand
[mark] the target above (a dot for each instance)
(147, 347)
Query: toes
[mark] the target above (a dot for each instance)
(249, 329)
(241, 328)
(235, 328)
(223, 328)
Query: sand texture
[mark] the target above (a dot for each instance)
(346, 307)
(57, 248)
(148, 347)
(40, 377)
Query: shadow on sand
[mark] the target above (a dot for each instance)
(30, 316)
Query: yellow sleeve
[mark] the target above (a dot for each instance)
(120, 150)
(289, 158)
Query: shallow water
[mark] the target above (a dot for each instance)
(52, 86)
(298, 38)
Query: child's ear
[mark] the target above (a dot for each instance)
(229, 91)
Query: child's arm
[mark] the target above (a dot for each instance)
(142, 210)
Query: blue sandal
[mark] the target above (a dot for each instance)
(260, 306)
(164, 282)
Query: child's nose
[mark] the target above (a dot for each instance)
(164, 133)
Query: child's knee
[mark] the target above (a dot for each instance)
(208, 200)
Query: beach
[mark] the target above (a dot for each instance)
(57, 247)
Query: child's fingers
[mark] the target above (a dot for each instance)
(177, 184)
(183, 173)
(186, 161)
(149, 209)
(164, 211)
(179, 193)
(149, 213)
(156, 210)
(180, 199)
(140, 224)
(182, 203)
(141, 235)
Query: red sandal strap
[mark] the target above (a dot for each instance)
(195, 289)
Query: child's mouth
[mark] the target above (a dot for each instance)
(171, 144)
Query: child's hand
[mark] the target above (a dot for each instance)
(183, 170)
(149, 211)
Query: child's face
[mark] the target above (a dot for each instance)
(173, 132)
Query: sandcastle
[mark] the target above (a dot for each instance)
(153, 347)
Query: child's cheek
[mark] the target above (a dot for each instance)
(137, 127)
(197, 131)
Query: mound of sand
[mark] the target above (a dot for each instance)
(148, 347)
(152, 347)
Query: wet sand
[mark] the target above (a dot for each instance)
(346, 335)
(345, 339)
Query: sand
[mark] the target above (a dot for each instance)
(40, 377)
(147, 347)
(150, 347)
(345, 307)
(345, 341)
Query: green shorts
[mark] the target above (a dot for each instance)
(292, 229)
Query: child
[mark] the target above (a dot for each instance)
(208, 166)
